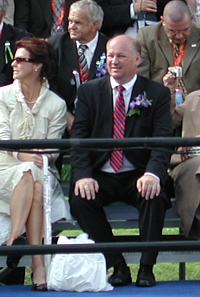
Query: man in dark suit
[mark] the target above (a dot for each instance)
(8, 36)
(38, 16)
(138, 175)
(85, 19)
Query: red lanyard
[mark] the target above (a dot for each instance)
(59, 19)
(178, 57)
(84, 76)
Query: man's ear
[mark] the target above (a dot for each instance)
(162, 20)
(138, 60)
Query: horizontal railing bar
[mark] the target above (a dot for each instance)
(100, 143)
(188, 245)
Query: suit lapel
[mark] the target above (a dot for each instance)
(164, 44)
(138, 88)
(70, 53)
(107, 106)
(6, 35)
(192, 47)
(98, 52)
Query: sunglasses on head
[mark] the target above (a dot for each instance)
(19, 60)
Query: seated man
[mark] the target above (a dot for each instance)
(134, 176)
(172, 42)
(85, 20)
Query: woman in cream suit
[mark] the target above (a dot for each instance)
(29, 110)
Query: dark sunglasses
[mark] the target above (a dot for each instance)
(20, 60)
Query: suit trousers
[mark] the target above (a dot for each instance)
(120, 187)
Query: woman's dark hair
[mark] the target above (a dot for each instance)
(40, 52)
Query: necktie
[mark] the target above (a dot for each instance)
(83, 62)
(181, 84)
(119, 119)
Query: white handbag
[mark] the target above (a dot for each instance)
(78, 272)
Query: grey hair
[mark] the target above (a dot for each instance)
(4, 6)
(95, 12)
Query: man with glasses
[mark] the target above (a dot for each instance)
(175, 41)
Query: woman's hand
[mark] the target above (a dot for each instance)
(37, 159)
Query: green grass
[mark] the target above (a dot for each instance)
(162, 271)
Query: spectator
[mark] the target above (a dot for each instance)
(98, 176)
(8, 36)
(85, 19)
(194, 6)
(127, 16)
(42, 18)
(27, 112)
(160, 43)
(185, 167)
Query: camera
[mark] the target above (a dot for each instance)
(176, 71)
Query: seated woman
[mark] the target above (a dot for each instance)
(185, 168)
(29, 110)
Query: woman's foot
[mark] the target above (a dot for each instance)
(39, 280)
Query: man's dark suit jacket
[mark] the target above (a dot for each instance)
(36, 16)
(66, 58)
(11, 34)
(93, 119)
(117, 15)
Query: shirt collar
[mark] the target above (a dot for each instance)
(92, 44)
(127, 86)
(1, 26)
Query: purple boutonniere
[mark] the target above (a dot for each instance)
(137, 103)
(101, 66)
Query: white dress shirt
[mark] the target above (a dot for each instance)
(89, 52)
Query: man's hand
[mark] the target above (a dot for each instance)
(148, 186)
(86, 187)
(170, 81)
(145, 5)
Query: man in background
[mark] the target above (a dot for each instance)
(85, 20)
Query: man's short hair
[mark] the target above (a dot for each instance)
(176, 10)
(95, 12)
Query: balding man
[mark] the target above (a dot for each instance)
(134, 176)
(175, 41)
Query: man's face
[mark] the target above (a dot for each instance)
(122, 59)
(79, 27)
(178, 32)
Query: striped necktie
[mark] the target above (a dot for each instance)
(119, 120)
(83, 62)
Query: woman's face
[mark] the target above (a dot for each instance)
(23, 66)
